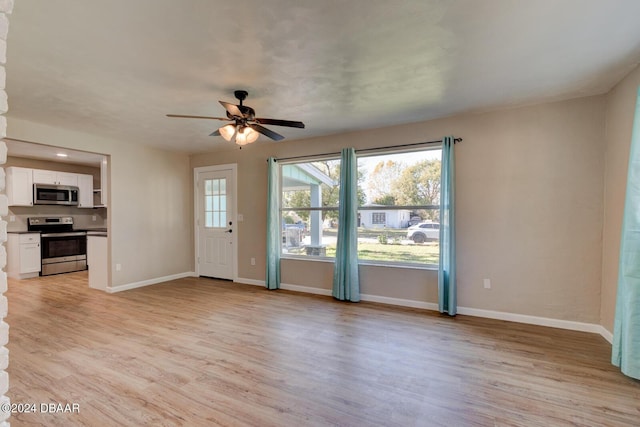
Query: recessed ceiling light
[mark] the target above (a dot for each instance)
(62, 155)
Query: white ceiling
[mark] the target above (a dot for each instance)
(116, 67)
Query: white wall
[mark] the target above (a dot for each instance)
(150, 202)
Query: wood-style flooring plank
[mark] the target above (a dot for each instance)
(200, 352)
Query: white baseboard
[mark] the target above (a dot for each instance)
(305, 289)
(532, 320)
(399, 301)
(489, 314)
(604, 332)
(134, 285)
(253, 282)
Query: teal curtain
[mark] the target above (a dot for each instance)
(346, 281)
(274, 234)
(447, 299)
(626, 331)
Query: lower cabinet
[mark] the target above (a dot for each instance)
(23, 255)
(97, 261)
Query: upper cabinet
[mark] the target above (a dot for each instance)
(19, 186)
(20, 182)
(55, 178)
(85, 190)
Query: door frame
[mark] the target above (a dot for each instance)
(233, 167)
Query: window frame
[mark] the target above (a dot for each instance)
(283, 209)
(369, 153)
(219, 198)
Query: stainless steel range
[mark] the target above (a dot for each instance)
(63, 249)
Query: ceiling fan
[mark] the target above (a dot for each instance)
(245, 126)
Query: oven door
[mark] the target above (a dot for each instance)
(63, 252)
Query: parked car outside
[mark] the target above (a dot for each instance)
(415, 220)
(424, 231)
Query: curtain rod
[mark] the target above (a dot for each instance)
(368, 150)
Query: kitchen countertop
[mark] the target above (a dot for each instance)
(103, 231)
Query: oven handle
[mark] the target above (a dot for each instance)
(71, 234)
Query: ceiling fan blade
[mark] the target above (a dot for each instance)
(182, 116)
(267, 132)
(215, 133)
(232, 109)
(275, 122)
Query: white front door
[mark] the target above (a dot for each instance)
(215, 222)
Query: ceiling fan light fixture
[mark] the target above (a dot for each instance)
(246, 135)
(227, 131)
(245, 127)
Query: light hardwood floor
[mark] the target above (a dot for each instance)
(200, 352)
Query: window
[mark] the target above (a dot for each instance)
(399, 196)
(378, 218)
(215, 197)
(407, 187)
(309, 207)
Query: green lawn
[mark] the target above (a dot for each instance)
(425, 253)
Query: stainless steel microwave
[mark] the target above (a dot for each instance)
(46, 194)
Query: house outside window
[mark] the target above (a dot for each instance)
(399, 196)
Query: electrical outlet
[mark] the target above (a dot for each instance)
(240, 217)
(94, 218)
(118, 267)
(12, 218)
(487, 283)
(253, 261)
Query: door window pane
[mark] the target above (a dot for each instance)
(215, 203)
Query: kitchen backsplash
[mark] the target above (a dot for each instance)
(82, 218)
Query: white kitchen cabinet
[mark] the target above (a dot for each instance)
(41, 176)
(97, 261)
(23, 255)
(44, 177)
(19, 183)
(85, 191)
(66, 178)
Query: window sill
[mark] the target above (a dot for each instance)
(364, 263)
